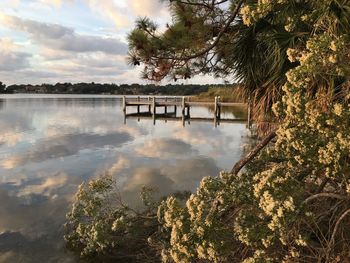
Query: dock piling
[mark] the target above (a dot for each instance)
(219, 110)
(154, 106)
(216, 111)
(149, 105)
(249, 125)
(124, 103)
(138, 106)
(166, 107)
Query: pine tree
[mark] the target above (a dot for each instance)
(220, 38)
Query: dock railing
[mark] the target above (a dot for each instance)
(166, 102)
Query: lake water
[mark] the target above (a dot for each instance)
(50, 144)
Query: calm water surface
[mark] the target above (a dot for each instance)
(49, 144)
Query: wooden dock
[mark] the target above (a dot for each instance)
(168, 103)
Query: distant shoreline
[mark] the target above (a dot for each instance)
(112, 89)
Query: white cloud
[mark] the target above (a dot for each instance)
(59, 37)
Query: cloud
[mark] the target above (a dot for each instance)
(12, 126)
(52, 52)
(135, 131)
(55, 3)
(86, 64)
(31, 231)
(121, 164)
(117, 14)
(164, 148)
(149, 177)
(151, 8)
(121, 12)
(60, 37)
(32, 219)
(11, 59)
(65, 145)
(47, 186)
(12, 4)
(10, 138)
(186, 174)
(16, 247)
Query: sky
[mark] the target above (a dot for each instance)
(49, 41)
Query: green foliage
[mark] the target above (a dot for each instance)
(101, 227)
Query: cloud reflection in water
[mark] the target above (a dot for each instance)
(49, 146)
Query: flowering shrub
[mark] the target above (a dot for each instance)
(278, 208)
(292, 202)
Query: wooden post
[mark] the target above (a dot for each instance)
(165, 108)
(216, 106)
(216, 111)
(219, 110)
(149, 106)
(154, 106)
(124, 114)
(188, 115)
(183, 111)
(154, 111)
(249, 124)
(138, 106)
(183, 118)
(183, 107)
(124, 103)
(175, 110)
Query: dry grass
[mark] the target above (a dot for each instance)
(228, 94)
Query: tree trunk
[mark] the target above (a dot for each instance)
(250, 156)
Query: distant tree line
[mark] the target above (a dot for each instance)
(3, 88)
(122, 89)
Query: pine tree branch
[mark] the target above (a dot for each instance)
(209, 6)
(210, 47)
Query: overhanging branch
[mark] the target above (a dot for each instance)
(210, 47)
